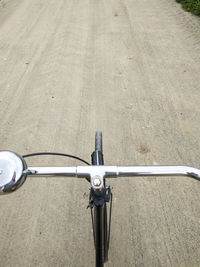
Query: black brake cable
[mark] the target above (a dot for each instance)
(92, 216)
(55, 154)
(108, 240)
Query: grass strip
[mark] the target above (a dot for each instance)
(192, 6)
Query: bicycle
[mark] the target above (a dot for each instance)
(14, 171)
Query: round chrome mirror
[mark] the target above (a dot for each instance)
(12, 167)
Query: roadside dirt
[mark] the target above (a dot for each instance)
(130, 69)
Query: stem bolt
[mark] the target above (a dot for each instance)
(96, 182)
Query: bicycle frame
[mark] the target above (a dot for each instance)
(97, 197)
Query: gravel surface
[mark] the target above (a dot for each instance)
(128, 68)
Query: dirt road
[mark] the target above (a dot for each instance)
(130, 69)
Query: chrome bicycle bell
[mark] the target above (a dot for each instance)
(12, 174)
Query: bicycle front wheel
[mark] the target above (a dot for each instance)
(98, 141)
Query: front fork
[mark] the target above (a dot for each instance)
(97, 158)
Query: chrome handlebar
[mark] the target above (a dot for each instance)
(115, 171)
(13, 172)
(101, 172)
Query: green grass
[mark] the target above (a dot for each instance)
(191, 5)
